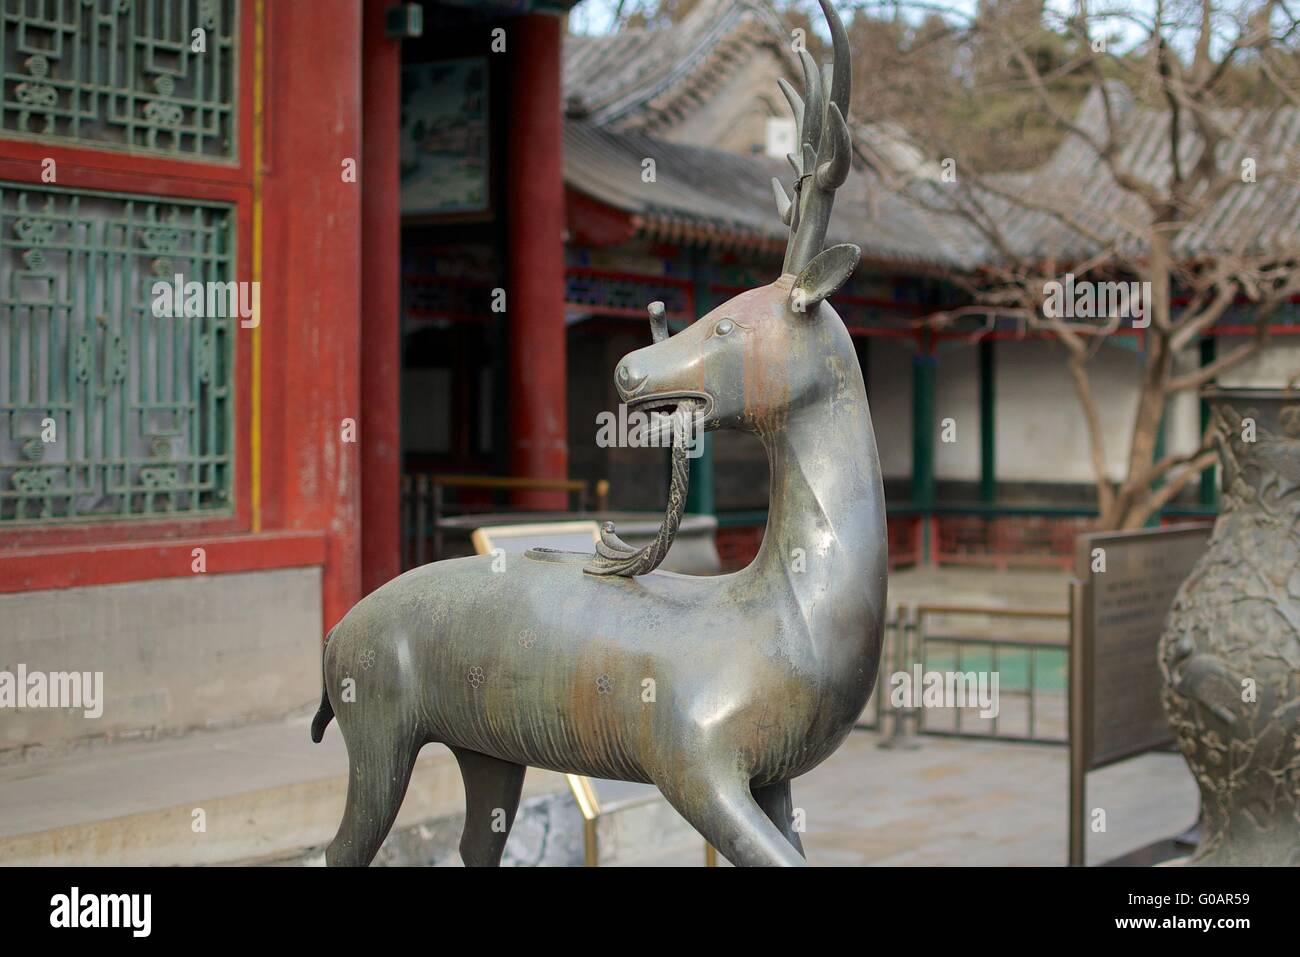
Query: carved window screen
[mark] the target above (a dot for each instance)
(108, 411)
(122, 74)
(141, 407)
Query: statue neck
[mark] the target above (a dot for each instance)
(826, 514)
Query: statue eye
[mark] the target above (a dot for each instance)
(723, 327)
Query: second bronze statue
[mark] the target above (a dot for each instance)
(757, 675)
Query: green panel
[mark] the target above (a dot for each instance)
(923, 403)
(141, 407)
(988, 425)
(122, 74)
(1209, 484)
(923, 424)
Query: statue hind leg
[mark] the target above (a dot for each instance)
(778, 805)
(379, 769)
(720, 805)
(492, 789)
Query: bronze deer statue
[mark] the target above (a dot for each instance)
(718, 690)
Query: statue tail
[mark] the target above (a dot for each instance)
(325, 713)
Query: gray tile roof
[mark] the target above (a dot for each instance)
(723, 198)
(628, 78)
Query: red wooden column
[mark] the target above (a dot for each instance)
(311, 284)
(381, 362)
(535, 283)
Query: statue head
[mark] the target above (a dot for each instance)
(760, 355)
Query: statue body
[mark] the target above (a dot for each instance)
(718, 690)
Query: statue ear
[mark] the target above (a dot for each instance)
(821, 277)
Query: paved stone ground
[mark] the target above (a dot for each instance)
(969, 803)
(984, 803)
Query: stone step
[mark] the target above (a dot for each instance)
(266, 793)
(269, 796)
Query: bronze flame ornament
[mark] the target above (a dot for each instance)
(718, 690)
(1230, 653)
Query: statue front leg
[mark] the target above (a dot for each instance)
(778, 805)
(719, 804)
(492, 789)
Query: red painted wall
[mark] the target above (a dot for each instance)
(310, 323)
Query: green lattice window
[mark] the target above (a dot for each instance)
(142, 407)
(121, 73)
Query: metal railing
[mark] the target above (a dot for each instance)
(425, 508)
(910, 641)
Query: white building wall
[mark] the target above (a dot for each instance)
(1041, 431)
(957, 397)
(175, 653)
(1271, 368)
(1183, 414)
(1041, 435)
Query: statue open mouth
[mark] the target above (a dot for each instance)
(661, 407)
(615, 556)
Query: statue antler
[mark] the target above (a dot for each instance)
(821, 162)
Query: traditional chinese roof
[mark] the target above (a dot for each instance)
(720, 198)
(629, 87)
(1076, 184)
(646, 78)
